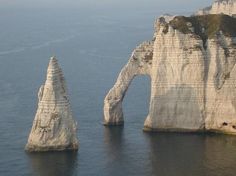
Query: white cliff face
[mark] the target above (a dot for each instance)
(193, 84)
(221, 85)
(176, 103)
(227, 7)
(54, 128)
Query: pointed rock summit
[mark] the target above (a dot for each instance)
(54, 128)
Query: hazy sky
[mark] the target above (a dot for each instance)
(173, 5)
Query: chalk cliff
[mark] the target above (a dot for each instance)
(191, 63)
(227, 7)
(54, 128)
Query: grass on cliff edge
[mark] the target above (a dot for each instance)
(211, 23)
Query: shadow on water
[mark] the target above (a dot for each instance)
(191, 154)
(53, 163)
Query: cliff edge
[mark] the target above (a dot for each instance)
(191, 63)
(227, 7)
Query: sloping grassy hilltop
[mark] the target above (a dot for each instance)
(206, 26)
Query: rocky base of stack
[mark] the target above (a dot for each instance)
(177, 130)
(120, 123)
(35, 148)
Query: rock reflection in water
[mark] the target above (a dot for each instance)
(113, 140)
(220, 155)
(53, 163)
(114, 146)
(176, 154)
(192, 154)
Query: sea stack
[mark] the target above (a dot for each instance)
(54, 128)
(192, 65)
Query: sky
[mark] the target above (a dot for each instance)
(163, 5)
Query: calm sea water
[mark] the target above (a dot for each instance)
(91, 49)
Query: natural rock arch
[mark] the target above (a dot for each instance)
(192, 74)
(139, 64)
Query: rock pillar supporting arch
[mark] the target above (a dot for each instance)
(139, 64)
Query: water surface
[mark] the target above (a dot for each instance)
(91, 49)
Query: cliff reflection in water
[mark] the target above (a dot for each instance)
(126, 153)
(114, 146)
(220, 155)
(192, 154)
(53, 163)
(113, 140)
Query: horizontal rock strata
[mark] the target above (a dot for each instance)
(54, 128)
(191, 63)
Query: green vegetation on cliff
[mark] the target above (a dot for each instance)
(206, 26)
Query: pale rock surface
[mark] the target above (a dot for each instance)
(227, 7)
(54, 128)
(140, 63)
(193, 81)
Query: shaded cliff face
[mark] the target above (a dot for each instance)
(192, 72)
(54, 127)
(227, 7)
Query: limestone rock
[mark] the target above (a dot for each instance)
(54, 128)
(191, 64)
(227, 7)
(139, 63)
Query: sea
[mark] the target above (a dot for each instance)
(92, 46)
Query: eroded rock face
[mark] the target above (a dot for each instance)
(193, 76)
(227, 7)
(54, 128)
(140, 63)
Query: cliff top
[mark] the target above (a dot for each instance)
(227, 7)
(206, 26)
(220, 1)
